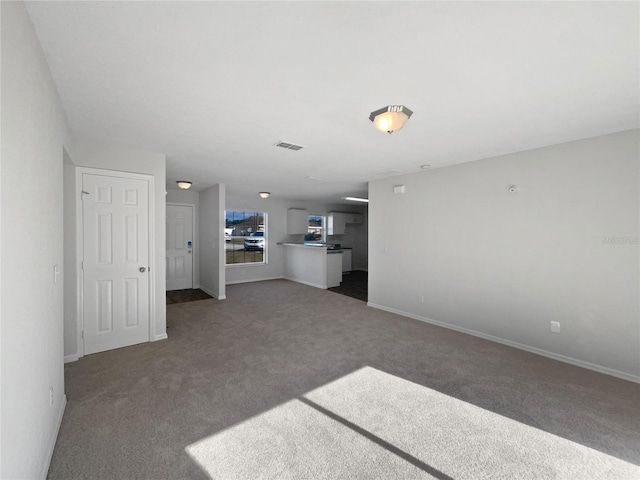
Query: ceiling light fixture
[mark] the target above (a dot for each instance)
(390, 118)
(264, 194)
(357, 199)
(183, 184)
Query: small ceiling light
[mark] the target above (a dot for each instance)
(425, 167)
(357, 199)
(264, 194)
(183, 184)
(390, 118)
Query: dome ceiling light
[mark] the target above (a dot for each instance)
(390, 118)
(183, 184)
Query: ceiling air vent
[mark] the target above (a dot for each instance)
(289, 146)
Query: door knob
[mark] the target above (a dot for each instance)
(142, 269)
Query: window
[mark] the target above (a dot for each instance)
(315, 229)
(245, 235)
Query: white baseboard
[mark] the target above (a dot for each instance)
(217, 297)
(521, 346)
(54, 437)
(316, 285)
(206, 290)
(162, 336)
(254, 280)
(71, 358)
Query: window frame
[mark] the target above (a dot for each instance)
(323, 227)
(263, 226)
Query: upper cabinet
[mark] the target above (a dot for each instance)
(336, 223)
(297, 221)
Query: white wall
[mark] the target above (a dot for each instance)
(70, 279)
(34, 133)
(563, 248)
(356, 236)
(86, 153)
(192, 198)
(212, 271)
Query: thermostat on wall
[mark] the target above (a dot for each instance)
(398, 189)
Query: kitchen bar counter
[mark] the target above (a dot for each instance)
(312, 265)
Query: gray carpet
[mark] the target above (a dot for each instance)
(282, 380)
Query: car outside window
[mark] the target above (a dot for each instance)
(315, 230)
(245, 237)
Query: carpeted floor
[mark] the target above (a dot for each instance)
(282, 380)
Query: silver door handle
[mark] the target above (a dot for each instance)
(142, 269)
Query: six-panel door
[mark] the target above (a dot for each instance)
(116, 262)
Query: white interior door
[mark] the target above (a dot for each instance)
(179, 247)
(115, 265)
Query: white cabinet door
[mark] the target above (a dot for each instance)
(179, 247)
(337, 223)
(334, 269)
(346, 260)
(297, 221)
(115, 267)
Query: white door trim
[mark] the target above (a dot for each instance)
(196, 246)
(80, 243)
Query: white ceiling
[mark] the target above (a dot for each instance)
(215, 85)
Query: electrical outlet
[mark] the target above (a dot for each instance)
(555, 327)
(420, 298)
(51, 396)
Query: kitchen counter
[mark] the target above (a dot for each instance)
(312, 265)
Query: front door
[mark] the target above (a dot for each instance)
(179, 247)
(115, 265)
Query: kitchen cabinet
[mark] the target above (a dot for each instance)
(336, 223)
(334, 269)
(297, 221)
(346, 260)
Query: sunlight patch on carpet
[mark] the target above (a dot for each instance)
(370, 424)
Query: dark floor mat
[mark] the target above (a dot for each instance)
(188, 295)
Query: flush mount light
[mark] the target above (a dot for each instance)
(183, 184)
(390, 118)
(264, 194)
(357, 199)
